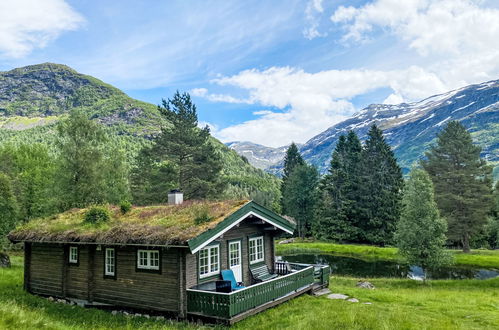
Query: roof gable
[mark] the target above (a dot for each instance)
(251, 208)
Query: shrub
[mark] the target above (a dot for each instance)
(97, 214)
(125, 207)
(202, 215)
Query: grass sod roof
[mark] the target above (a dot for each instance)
(152, 225)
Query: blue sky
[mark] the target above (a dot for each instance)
(270, 72)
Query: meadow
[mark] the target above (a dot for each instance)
(395, 304)
(479, 258)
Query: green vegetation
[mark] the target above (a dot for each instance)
(160, 224)
(30, 115)
(420, 234)
(299, 194)
(480, 258)
(463, 183)
(361, 194)
(8, 209)
(97, 214)
(183, 152)
(396, 304)
(20, 310)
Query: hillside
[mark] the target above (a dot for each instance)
(34, 98)
(412, 128)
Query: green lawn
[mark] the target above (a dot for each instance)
(396, 304)
(481, 258)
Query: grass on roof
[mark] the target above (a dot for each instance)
(158, 224)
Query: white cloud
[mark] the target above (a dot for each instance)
(312, 102)
(29, 24)
(430, 27)
(313, 13)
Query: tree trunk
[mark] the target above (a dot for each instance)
(466, 243)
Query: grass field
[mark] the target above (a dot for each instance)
(481, 258)
(396, 304)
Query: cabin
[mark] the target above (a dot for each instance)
(195, 259)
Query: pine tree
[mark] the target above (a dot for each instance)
(381, 193)
(300, 196)
(183, 152)
(462, 183)
(292, 159)
(420, 234)
(8, 209)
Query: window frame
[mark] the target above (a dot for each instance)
(71, 261)
(149, 268)
(256, 239)
(209, 264)
(106, 273)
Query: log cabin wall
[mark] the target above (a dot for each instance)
(138, 288)
(50, 274)
(45, 269)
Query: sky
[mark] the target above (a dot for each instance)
(269, 72)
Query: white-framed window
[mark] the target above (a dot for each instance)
(209, 261)
(256, 250)
(73, 254)
(148, 259)
(110, 262)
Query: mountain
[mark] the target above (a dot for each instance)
(259, 156)
(411, 128)
(34, 98)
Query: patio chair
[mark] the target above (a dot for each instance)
(228, 275)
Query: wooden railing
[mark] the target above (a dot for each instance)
(227, 305)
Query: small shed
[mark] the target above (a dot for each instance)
(164, 258)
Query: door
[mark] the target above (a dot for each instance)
(235, 262)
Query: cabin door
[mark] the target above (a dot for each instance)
(235, 261)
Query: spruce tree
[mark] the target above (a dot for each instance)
(463, 183)
(331, 211)
(292, 159)
(183, 152)
(381, 193)
(420, 234)
(8, 209)
(337, 210)
(300, 196)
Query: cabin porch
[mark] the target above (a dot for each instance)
(293, 280)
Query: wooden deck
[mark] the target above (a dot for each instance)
(232, 307)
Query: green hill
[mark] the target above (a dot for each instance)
(34, 98)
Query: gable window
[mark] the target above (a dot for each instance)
(73, 254)
(256, 249)
(209, 261)
(148, 259)
(110, 262)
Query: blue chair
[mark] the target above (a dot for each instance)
(228, 275)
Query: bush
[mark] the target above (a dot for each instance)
(202, 215)
(97, 214)
(125, 207)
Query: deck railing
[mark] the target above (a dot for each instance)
(227, 305)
